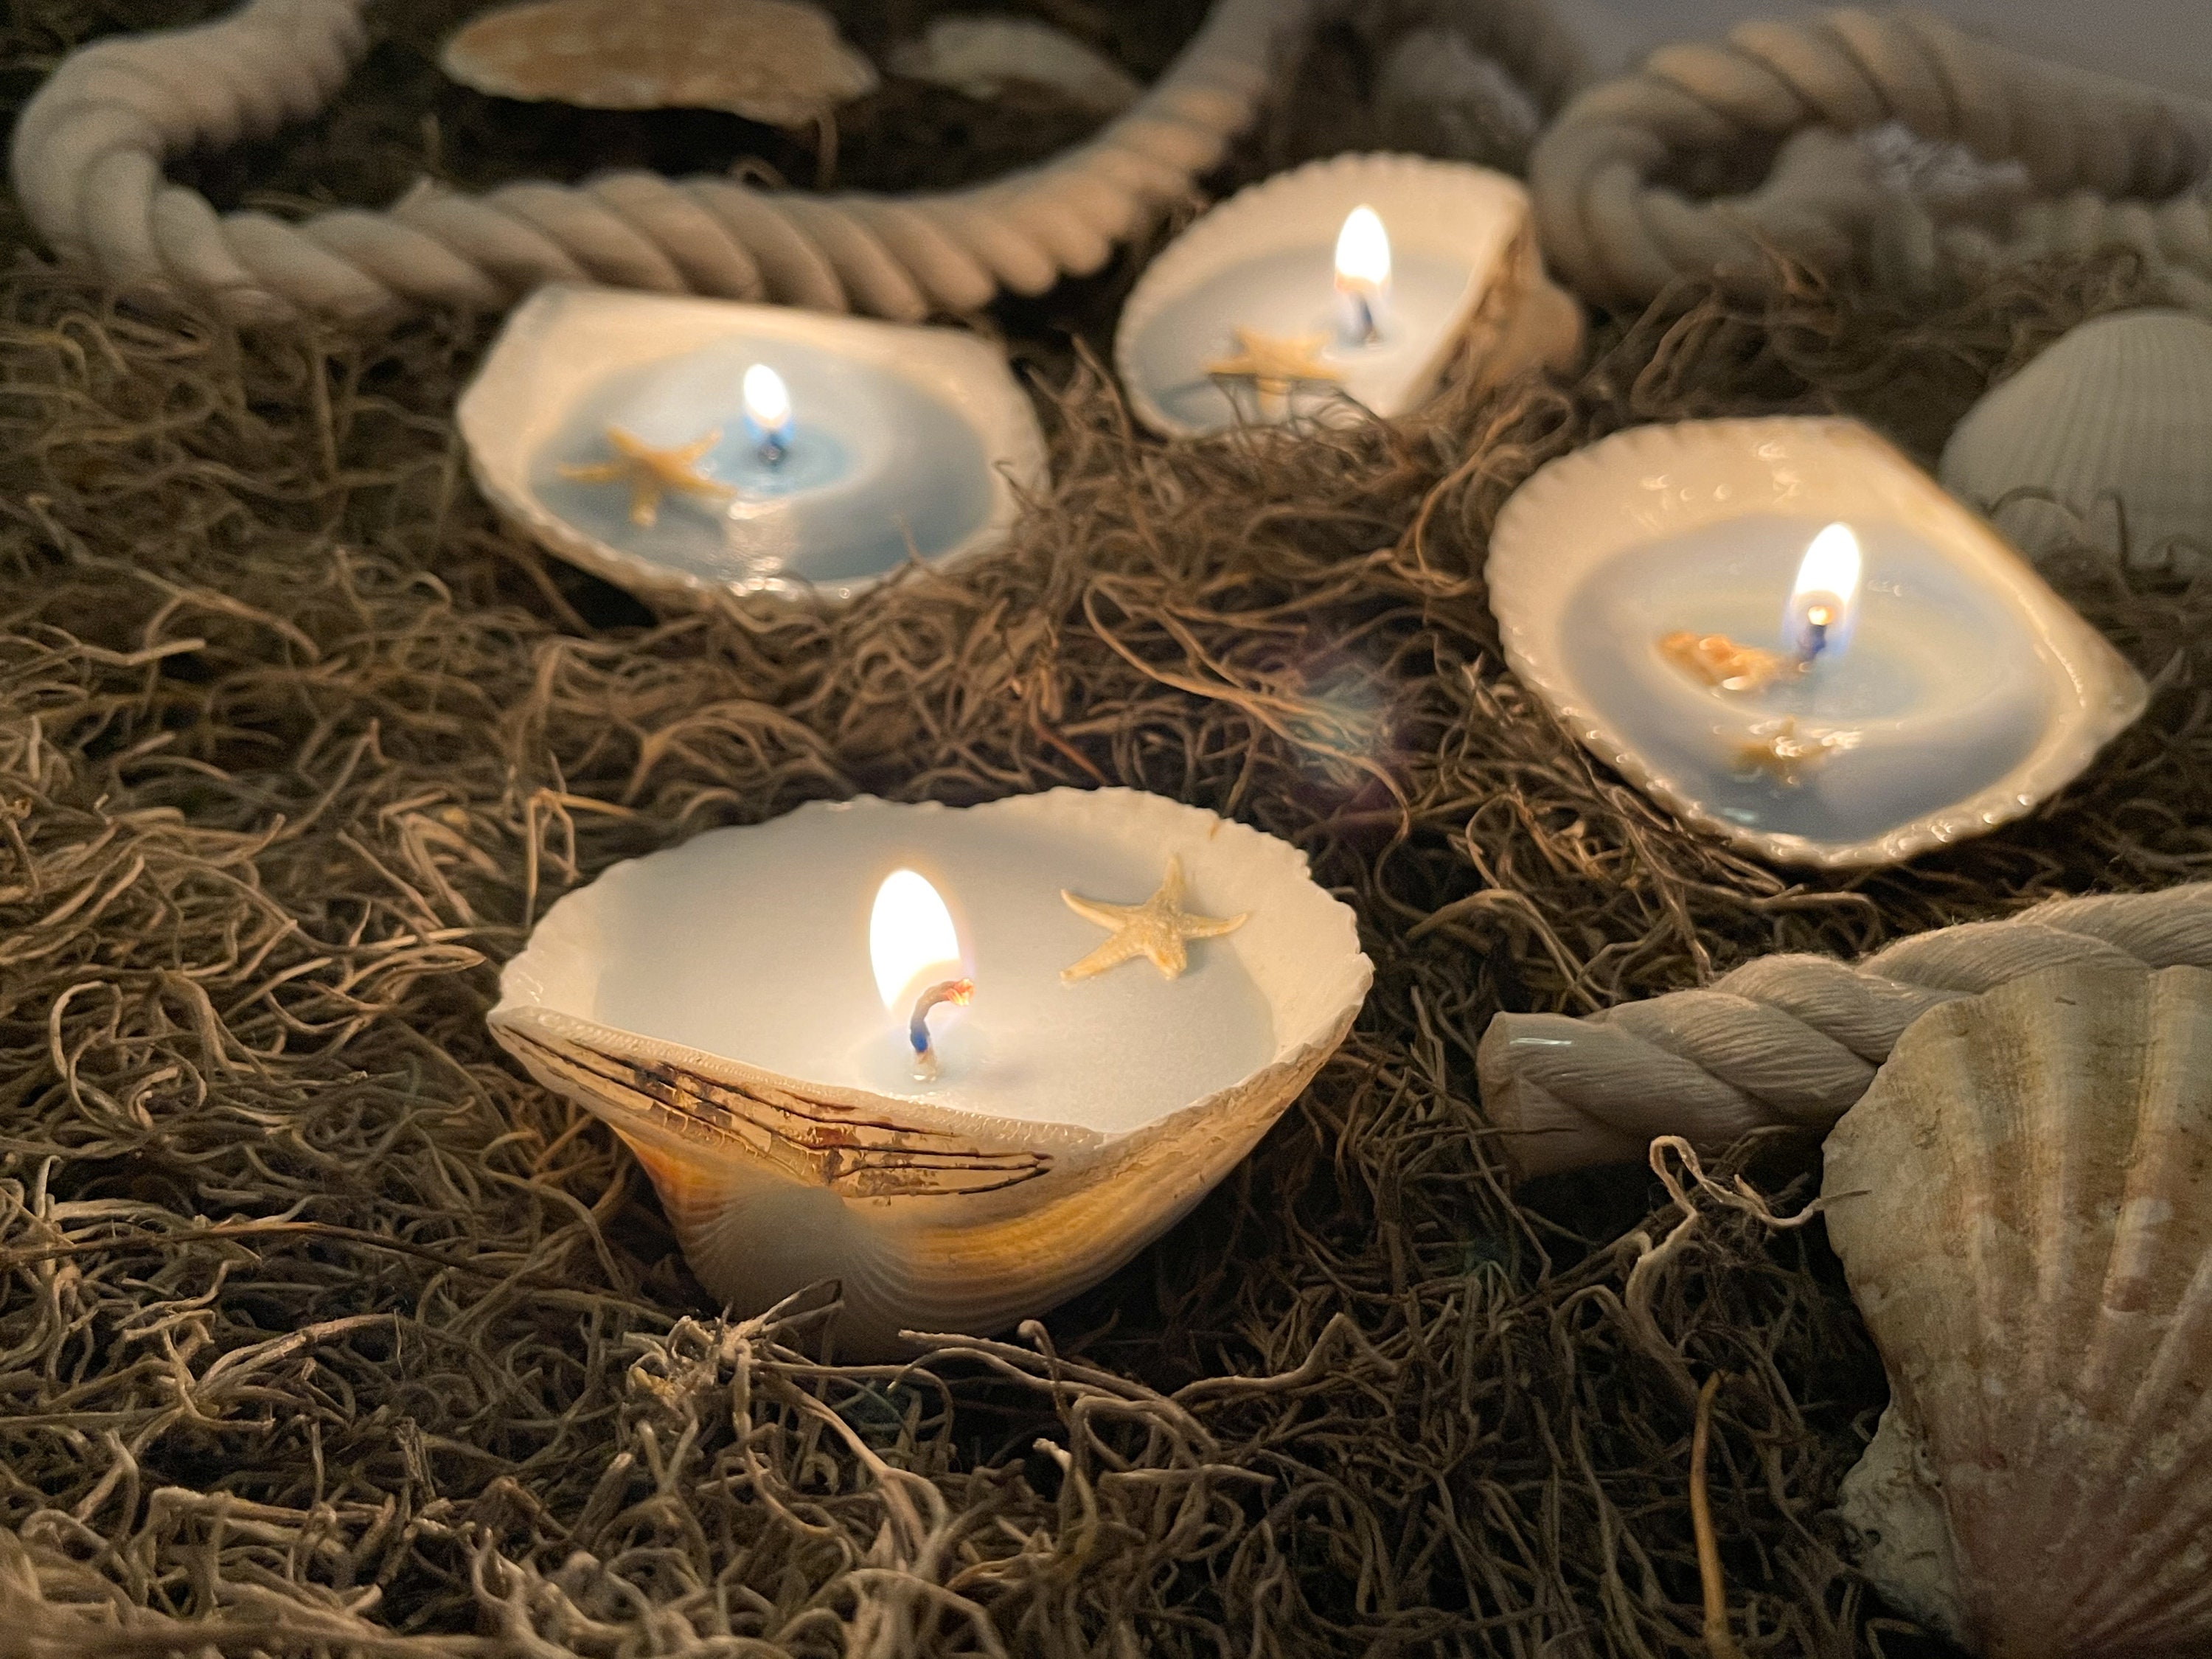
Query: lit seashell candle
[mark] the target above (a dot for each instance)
(1788, 634)
(682, 446)
(1360, 281)
(966, 1062)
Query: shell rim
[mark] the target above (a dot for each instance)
(1073, 1146)
(2103, 694)
(1194, 255)
(499, 451)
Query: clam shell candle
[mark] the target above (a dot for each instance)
(964, 1061)
(1358, 281)
(686, 446)
(1788, 634)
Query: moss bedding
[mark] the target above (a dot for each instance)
(322, 1330)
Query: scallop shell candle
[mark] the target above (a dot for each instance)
(684, 446)
(1672, 593)
(1360, 280)
(964, 1061)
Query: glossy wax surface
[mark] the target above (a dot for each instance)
(876, 464)
(1940, 691)
(1293, 292)
(753, 944)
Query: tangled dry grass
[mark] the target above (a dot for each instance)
(322, 1330)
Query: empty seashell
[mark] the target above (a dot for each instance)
(716, 1004)
(777, 61)
(979, 56)
(2106, 438)
(2023, 1205)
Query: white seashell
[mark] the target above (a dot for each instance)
(2023, 1205)
(1605, 549)
(1436, 95)
(1468, 285)
(2106, 437)
(979, 55)
(686, 998)
(953, 441)
(778, 61)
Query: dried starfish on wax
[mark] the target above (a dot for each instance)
(1718, 662)
(651, 473)
(1276, 362)
(1159, 928)
(1785, 756)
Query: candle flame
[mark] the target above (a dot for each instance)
(1363, 251)
(911, 933)
(1825, 599)
(768, 400)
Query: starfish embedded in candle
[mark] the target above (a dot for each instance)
(650, 473)
(1159, 928)
(1275, 363)
(1784, 756)
(1719, 662)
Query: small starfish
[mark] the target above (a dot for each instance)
(1157, 928)
(1275, 363)
(1718, 662)
(1785, 756)
(651, 473)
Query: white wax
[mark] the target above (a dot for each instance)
(1288, 293)
(876, 465)
(1940, 691)
(753, 944)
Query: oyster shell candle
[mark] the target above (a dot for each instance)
(964, 1061)
(681, 446)
(1361, 280)
(1789, 635)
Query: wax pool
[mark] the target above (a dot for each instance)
(1287, 293)
(876, 464)
(1941, 692)
(755, 947)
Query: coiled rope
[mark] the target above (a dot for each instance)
(88, 149)
(2106, 162)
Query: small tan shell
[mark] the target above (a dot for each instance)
(2023, 1205)
(979, 56)
(777, 61)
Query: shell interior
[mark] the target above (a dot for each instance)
(777, 61)
(1466, 283)
(1973, 690)
(2023, 1205)
(910, 441)
(2106, 438)
(713, 1004)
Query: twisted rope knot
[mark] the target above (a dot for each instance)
(2104, 162)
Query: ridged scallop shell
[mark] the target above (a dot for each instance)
(978, 56)
(2106, 437)
(777, 61)
(2023, 1205)
(1507, 316)
(932, 1219)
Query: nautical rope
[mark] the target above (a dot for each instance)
(1789, 1039)
(2105, 160)
(88, 149)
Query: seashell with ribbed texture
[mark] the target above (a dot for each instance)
(2106, 439)
(2023, 1205)
(712, 1003)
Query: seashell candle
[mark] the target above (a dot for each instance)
(682, 447)
(891, 1045)
(1360, 280)
(1788, 633)
(2023, 1205)
(2105, 439)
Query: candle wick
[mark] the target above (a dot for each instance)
(959, 992)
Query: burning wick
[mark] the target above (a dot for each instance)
(1363, 276)
(768, 414)
(958, 991)
(1817, 621)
